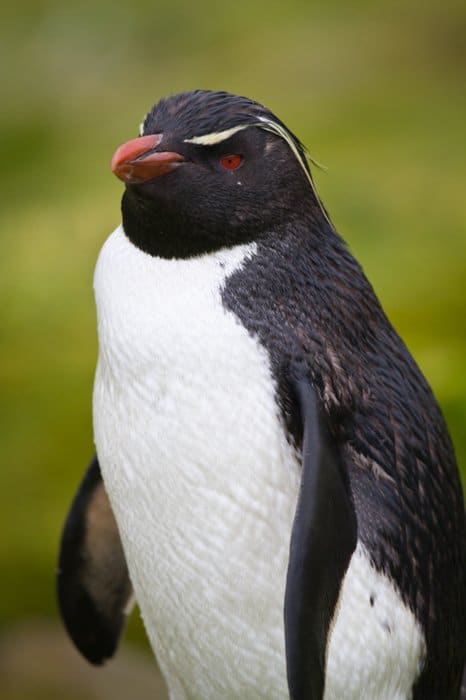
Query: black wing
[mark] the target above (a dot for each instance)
(322, 541)
(93, 586)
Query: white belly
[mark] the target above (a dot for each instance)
(204, 486)
(201, 479)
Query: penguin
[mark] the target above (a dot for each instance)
(274, 482)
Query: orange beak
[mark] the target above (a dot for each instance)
(136, 161)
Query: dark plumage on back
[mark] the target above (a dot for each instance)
(386, 423)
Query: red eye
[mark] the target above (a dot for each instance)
(231, 162)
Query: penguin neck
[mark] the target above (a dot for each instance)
(166, 235)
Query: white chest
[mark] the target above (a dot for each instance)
(204, 486)
(201, 478)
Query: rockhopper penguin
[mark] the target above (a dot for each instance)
(281, 492)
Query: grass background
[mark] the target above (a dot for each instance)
(378, 93)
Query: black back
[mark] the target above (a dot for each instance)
(306, 299)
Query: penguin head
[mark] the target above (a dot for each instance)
(210, 170)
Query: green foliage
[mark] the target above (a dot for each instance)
(376, 90)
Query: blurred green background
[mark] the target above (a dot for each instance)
(378, 93)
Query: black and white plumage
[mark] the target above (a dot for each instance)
(280, 474)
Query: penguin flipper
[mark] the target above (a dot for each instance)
(93, 586)
(322, 541)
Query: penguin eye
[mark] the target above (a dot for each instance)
(231, 162)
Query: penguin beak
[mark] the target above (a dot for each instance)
(136, 161)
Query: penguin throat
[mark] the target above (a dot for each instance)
(167, 234)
